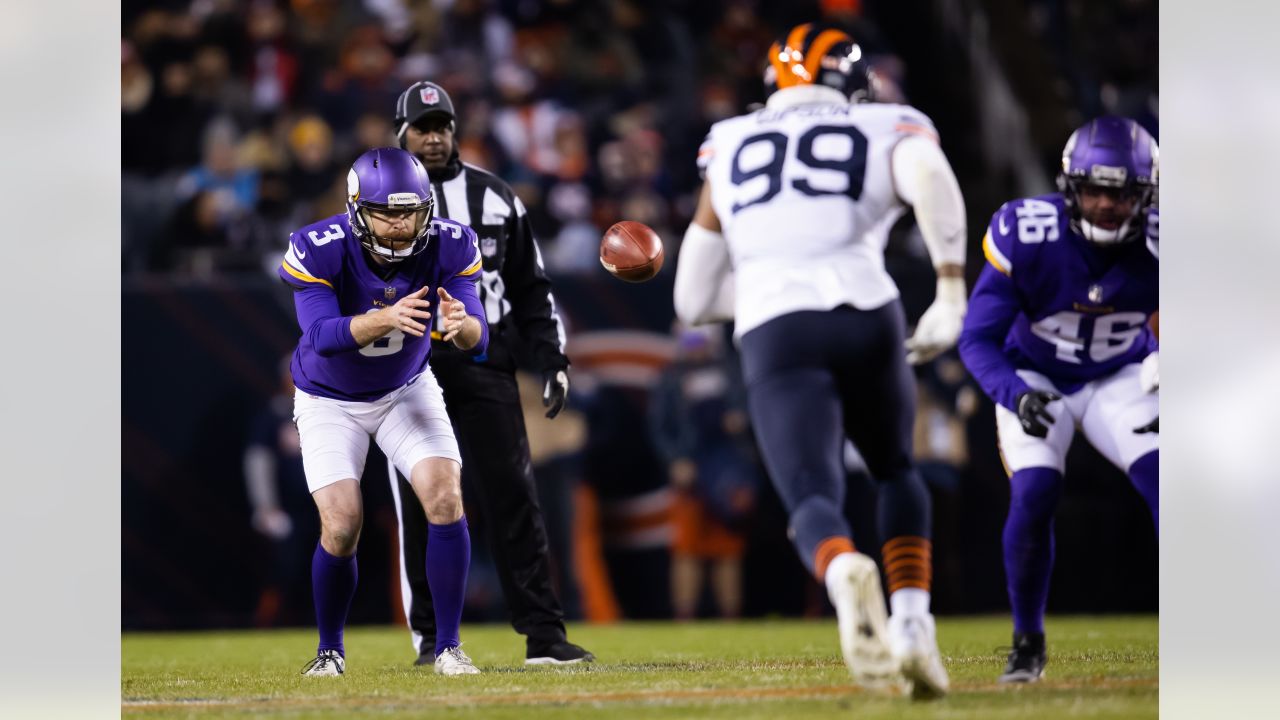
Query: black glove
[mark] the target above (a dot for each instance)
(1151, 427)
(1032, 414)
(555, 390)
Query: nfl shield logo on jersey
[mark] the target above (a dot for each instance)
(488, 247)
(429, 96)
(1095, 294)
(389, 293)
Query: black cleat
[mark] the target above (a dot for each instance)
(561, 653)
(1026, 659)
(425, 659)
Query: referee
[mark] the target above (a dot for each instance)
(481, 393)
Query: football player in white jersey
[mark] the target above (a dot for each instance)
(787, 241)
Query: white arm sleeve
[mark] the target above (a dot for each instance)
(704, 278)
(924, 180)
(260, 478)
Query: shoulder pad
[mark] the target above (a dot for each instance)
(1024, 222)
(315, 251)
(459, 247)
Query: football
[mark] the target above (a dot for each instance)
(631, 251)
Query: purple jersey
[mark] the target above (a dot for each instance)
(1050, 301)
(334, 281)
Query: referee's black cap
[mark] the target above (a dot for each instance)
(419, 100)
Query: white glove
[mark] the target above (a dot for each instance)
(939, 327)
(274, 523)
(1149, 373)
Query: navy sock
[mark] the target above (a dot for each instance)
(904, 506)
(1028, 544)
(448, 557)
(1145, 475)
(813, 523)
(333, 583)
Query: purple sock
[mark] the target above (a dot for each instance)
(1144, 473)
(333, 583)
(448, 557)
(1028, 544)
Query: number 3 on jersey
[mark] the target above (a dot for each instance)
(333, 233)
(850, 162)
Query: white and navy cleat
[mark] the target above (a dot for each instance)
(854, 589)
(455, 662)
(913, 642)
(327, 663)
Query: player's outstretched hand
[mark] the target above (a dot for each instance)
(1033, 412)
(939, 328)
(452, 313)
(406, 313)
(555, 390)
(1151, 427)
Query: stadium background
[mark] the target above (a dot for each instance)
(239, 118)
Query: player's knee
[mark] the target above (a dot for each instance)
(341, 532)
(341, 541)
(444, 503)
(438, 482)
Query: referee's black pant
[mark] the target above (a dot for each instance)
(484, 404)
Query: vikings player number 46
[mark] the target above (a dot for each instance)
(388, 344)
(1037, 221)
(1111, 335)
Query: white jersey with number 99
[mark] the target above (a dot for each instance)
(804, 192)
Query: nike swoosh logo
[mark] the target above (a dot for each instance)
(1004, 229)
(301, 255)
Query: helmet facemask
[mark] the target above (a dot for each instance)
(1106, 212)
(402, 208)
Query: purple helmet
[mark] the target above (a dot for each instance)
(389, 180)
(1116, 153)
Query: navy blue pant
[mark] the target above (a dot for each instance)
(816, 377)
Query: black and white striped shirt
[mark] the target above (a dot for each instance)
(514, 288)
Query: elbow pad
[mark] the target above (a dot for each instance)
(923, 179)
(703, 286)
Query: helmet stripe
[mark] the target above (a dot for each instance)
(783, 78)
(821, 44)
(794, 56)
(795, 40)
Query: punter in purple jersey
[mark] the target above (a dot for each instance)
(1059, 335)
(362, 284)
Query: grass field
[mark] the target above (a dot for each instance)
(1099, 667)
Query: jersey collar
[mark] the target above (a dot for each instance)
(805, 95)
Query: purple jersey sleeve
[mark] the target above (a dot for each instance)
(322, 321)
(993, 307)
(313, 258)
(311, 266)
(460, 265)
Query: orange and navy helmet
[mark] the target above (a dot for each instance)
(814, 54)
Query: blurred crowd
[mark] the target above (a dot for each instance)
(238, 117)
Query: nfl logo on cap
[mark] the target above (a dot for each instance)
(429, 96)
